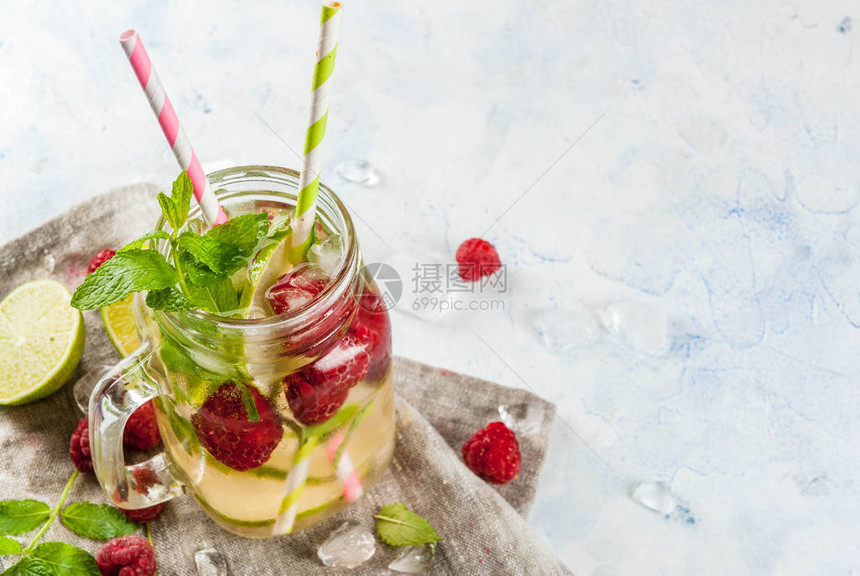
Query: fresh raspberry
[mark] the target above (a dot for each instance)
(100, 258)
(493, 453)
(79, 446)
(126, 556)
(318, 390)
(373, 315)
(296, 288)
(143, 515)
(223, 428)
(141, 430)
(312, 403)
(477, 258)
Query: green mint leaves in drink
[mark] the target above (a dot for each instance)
(201, 266)
(397, 525)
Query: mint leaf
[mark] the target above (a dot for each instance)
(398, 526)
(248, 403)
(20, 516)
(219, 297)
(227, 247)
(169, 299)
(127, 272)
(97, 521)
(139, 243)
(221, 258)
(244, 231)
(11, 570)
(9, 546)
(181, 194)
(197, 272)
(59, 559)
(33, 567)
(168, 208)
(176, 206)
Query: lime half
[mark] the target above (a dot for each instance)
(119, 324)
(41, 341)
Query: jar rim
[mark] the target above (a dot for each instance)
(343, 277)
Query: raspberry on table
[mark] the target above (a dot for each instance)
(477, 258)
(141, 430)
(223, 428)
(79, 446)
(100, 258)
(493, 453)
(126, 556)
(143, 515)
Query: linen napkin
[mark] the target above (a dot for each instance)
(483, 526)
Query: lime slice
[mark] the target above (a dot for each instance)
(119, 324)
(270, 264)
(41, 340)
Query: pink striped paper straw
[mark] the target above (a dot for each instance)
(345, 471)
(176, 137)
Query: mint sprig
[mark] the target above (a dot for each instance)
(397, 525)
(95, 521)
(199, 273)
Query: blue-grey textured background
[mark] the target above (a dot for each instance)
(720, 189)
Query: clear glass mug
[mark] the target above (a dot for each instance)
(273, 474)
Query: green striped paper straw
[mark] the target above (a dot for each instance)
(309, 181)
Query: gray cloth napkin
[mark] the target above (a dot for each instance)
(482, 525)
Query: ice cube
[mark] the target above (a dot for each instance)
(637, 324)
(327, 254)
(358, 172)
(347, 547)
(296, 288)
(414, 559)
(654, 496)
(48, 262)
(563, 329)
(522, 418)
(210, 562)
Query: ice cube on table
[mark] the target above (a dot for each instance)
(48, 262)
(414, 559)
(654, 496)
(358, 172)
(327, 253)
(639, 325)
(347, 547)
(562, 329)
(522, 418)
(210, 562)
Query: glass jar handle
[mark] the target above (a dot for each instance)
(120, 392)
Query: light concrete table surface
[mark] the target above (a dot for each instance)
(672, 185)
